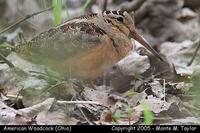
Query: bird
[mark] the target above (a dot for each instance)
(85, 47)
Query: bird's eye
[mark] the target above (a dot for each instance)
(120, 19)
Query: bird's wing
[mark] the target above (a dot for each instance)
(65, 40)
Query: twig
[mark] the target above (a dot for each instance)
(160, 118)
(22, 20)
(195, 53)
(90, 123)
(14, 96)
(164, 89)
(79, 102)
(6, 61)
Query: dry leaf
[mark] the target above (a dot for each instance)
(35, 109)
(10, 116)
(180, 54)
(57, 117)
(156, 104)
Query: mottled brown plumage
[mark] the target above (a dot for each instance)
(86, 46)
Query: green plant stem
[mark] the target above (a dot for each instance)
(84, 7)
(57, 4)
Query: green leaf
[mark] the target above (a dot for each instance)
(130, 110)
(117, 115)
(148, 115)
(57, 8)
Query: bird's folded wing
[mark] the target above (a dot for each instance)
(65, 40)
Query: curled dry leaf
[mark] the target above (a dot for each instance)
(10, 116)
(180, 54)
(35, 109)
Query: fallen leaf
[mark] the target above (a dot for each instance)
(180, 54)
(36, 109)
(156, 104)
(10, 116)
(57, 117)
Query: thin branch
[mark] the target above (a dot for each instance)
(14, 96)
(195, 53)
(24, 19)
(160, 118)
(79, 102)
(90, 123)
(6, 61)
(164, 89)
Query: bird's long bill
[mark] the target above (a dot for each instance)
(139, 39)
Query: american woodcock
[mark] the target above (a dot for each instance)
(85, 47)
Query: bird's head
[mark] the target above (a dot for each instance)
(125, 23)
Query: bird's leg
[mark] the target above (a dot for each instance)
(105, 80)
